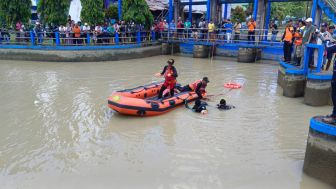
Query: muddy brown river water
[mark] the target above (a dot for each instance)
(57, 131)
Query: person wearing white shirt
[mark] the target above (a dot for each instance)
(86, 28)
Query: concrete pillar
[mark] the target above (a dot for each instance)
(119, 10)
(201, 51)
(213, 9)
(281, 75)
(171, 10)
(293, 84)
(261, 15)
(317, 92)
(176, 10)
(247, 55)
(320, 158)
(318, 16)
(165, 48)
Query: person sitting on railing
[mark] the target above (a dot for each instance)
(228, 27)
(287, 38)
(251, 30)
(274, 32)
(330, 44)
(298, 42)
(237, 28)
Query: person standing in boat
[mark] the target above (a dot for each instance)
(170, 74)
(198, 87)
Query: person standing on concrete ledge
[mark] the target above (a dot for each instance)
(331, 119)
(307, 34)
(287, 38)
(251, 30)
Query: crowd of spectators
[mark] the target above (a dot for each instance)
(73, 33)
(302, 32)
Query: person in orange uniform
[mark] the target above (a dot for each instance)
(287, 38)
(77, 33)
(251, 25)
(198, 87)
(298, 42)
(170, 74)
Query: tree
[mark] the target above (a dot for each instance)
(111, 12)
(12, 11)
(92, 11)
(53, 11)
(238, 14)
(137, 11)
(293, 9)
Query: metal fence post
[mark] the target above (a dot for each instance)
(57, 36)
(117, 38)
(88, 39)
(32, 38)
(138, 37)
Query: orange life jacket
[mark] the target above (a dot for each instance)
(251, 26)
(169, 74)
(194, 85)
(298, 38)
(289, 34)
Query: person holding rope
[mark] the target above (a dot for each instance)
(170, 74)
(198, 87)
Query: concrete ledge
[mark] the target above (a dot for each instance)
(281, 76)
(317, 92)
(293, 85)
(320, 158)
(201, 51)
(247, 55)
(79, 56)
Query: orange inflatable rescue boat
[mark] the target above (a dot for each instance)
(143, 100)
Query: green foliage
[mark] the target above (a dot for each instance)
(12, 11)
(111, 12)
(137, 11)
(92, 11)
(294, 9)
(238, 14)
(53, 11)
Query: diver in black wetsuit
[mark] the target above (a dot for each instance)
(199, 107)
(223, 106)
